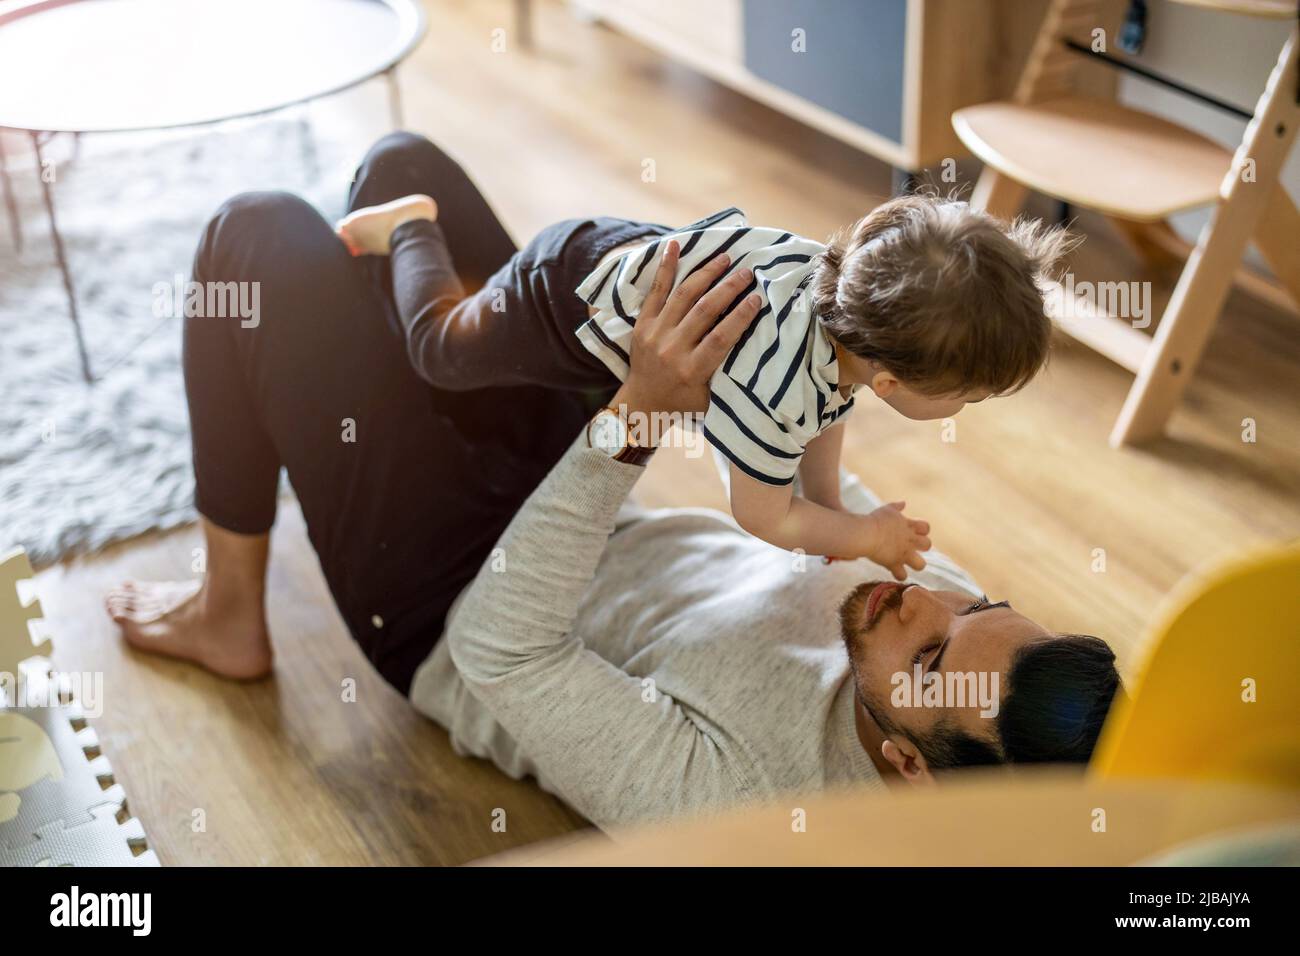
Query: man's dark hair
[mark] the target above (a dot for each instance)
(1059, 692)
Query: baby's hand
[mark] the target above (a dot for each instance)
(894, 540)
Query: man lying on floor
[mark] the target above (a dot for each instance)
(638, 665)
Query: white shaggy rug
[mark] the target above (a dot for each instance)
(82, 466)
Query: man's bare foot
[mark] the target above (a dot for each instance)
(179, 619)
(368, 231)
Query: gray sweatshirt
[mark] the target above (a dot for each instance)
(642, 665)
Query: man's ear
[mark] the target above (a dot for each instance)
(908, 761)
(883, 384)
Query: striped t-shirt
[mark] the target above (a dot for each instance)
(778, 389)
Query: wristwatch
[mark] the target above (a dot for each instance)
(608, 432)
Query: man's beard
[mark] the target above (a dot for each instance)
(852, 627)
(853, 613)
(853, 610)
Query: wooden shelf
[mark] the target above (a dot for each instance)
(1097, 154)
(954, 53)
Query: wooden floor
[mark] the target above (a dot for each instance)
(287, 773)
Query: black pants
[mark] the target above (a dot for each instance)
(405, 487)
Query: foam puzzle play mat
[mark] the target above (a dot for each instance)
(59, 802)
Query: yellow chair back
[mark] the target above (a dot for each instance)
(1218, 693)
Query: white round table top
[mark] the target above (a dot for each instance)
(113, 65)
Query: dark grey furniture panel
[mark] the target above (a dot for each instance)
(853, 65)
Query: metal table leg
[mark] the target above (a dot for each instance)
(524, 23)
(62, 259)
(307, 144)
(394, 98)
(11, 205)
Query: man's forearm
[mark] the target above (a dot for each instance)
(524, 600)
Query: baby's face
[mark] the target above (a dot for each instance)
(923, 408)
(905, 400)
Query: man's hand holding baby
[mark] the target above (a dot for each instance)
(679, 341)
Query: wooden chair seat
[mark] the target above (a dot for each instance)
(1097, 154)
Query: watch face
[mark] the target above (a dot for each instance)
(608, 433)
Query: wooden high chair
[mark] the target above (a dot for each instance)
(1138, 170)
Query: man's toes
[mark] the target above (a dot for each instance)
(126, 604)
(124, 614)
(146, 611)
(119, 601)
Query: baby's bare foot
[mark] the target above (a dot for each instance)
(368, 231)
(179, 619)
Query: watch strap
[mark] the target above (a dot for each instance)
(634, 454)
